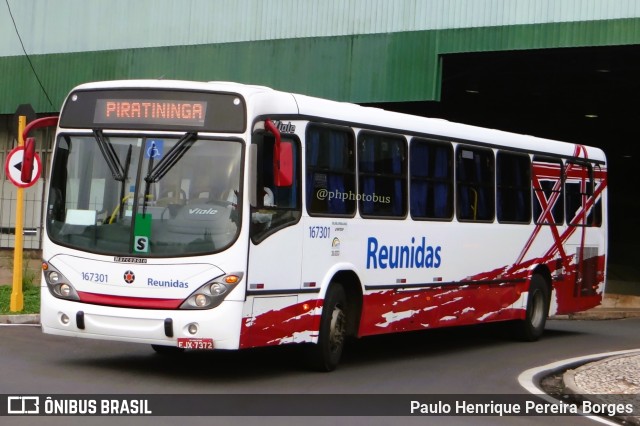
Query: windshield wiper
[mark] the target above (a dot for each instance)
(118, 171)
(124, 181)
(109, 155)
(171, 158)
(166, 163)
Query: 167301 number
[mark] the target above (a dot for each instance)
(95, 277)
(319, 231)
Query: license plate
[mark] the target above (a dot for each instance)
(187, 343)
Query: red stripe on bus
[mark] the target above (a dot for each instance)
(129, 302)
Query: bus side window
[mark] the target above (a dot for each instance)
(431, 186)
(382, 171)
(330, 177)
(475, 184)
(578, 187)
(277, 206)
(548, 199)
(595, 215)
(513, 177)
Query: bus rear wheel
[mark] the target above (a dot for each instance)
(531, 328)
(325, 355)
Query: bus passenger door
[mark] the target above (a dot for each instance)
(275, 253)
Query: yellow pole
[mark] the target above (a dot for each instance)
(17, 297)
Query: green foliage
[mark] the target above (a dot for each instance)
(30, 281)
(28, 276)
(31, 295)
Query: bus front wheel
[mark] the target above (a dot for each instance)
(325, 355)
(531, 328)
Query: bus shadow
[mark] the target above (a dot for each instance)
(436, 342)
(236, 366)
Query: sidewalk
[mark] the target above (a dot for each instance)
(614, 380)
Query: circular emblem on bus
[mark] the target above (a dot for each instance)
(129, 277)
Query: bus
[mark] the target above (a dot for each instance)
(224, 216)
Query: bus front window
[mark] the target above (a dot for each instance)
(100, 201)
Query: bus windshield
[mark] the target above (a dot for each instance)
(145, 195)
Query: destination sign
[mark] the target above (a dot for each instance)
(147, 109)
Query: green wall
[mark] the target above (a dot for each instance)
(392, 67)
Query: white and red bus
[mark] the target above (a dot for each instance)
(228, 216)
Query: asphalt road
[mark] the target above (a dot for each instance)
(474, 360)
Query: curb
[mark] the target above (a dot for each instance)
(20, 319)
(600, 314)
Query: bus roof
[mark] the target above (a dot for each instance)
(416, 125)
(266, 101)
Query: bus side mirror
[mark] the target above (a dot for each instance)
(283, 165)
(282, 158)
(26, 171)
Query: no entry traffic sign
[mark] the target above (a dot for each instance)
(14, 164)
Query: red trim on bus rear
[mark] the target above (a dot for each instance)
(129, 302)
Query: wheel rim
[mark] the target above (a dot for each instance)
(537, 309)
(337, 329)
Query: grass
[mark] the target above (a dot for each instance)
(30, 282)
(31, 294)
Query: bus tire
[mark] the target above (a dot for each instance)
(325, 355)
(531, 328)
(167, 350)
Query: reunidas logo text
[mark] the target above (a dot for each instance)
(415, 255)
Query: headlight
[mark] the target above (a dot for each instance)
(201, 300)
(58, 285)
(212, 293)
(218, 289)
(65, 289)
